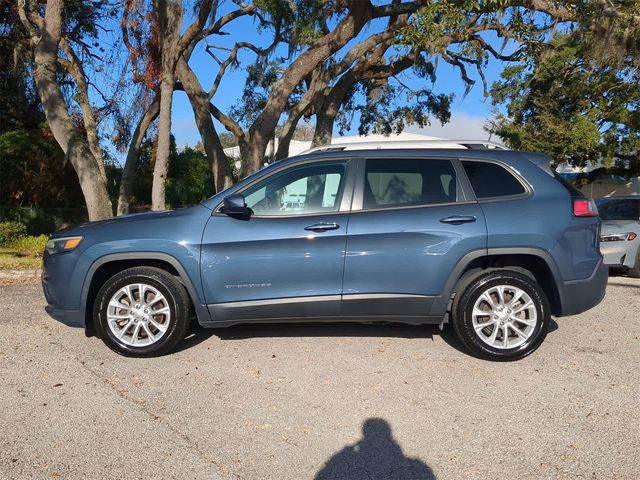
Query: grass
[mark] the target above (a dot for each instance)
(12, 259)
(23, 253)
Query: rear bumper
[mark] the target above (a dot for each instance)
(72, 318)
(578, 296)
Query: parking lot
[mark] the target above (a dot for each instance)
(320, 401)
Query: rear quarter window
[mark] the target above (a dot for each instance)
(490, 180)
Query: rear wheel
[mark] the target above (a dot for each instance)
(142, 312)
(501, 315)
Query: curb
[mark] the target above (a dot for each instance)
(21, 273)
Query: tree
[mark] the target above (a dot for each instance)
(570, 105)
(306, 30)
(173, 43)
(48, 36)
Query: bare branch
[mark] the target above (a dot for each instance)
(221, 71)
(452, 59)
(124, 26)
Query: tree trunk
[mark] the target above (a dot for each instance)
(254, 152)
(199, 99)
(326, 115)
(169, 14)
(324, 129)
(161, 166)
(287, 135)
(129, 170)
(68, 137)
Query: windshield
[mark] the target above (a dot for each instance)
(619, 209)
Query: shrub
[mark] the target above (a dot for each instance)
(31, 246)
(10, 231)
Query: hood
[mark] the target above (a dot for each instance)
(620, 226)
(139, 218)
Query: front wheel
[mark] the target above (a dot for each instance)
(142, 312)
(501, 315)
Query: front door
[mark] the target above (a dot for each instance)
(287, 259)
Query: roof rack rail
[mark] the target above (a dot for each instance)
(404, 144)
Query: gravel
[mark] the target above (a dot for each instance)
(320, 401)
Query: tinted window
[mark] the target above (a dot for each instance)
(491, 180)
(302, 190)
(392, 183)
(619, 209)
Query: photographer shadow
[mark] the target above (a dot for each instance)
(376, 456)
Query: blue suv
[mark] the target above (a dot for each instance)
(489, 240)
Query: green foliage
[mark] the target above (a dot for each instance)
(189, 178)
(10, 231)
(299, 19)
(434, 24)
(28, 246)
(34, 171)
(569, 106)
(388, 107)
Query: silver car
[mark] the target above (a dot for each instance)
(620, 237)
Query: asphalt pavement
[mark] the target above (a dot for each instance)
(320, 401)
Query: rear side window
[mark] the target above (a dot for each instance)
(490, 180)
(396, 183)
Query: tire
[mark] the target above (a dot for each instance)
(635, 271)
(142, 312)
(524, 313)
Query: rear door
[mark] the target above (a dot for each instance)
(412, 221)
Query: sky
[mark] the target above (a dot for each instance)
(469, 113)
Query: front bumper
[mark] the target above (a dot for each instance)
(60, 289)
(613, 254)
(72, 318)
(578, 296)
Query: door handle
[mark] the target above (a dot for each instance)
(458, 219)
(322, 227)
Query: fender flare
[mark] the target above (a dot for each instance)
(443, 304)
(201, 311)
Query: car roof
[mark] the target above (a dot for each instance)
(505, 156)
(401, 153)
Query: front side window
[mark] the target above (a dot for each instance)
(490, 180)
(298, 191)
(397, 183)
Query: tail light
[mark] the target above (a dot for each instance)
(584, 207)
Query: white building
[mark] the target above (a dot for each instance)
(296, 146)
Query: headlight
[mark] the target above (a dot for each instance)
(618, 237)
(62, 244)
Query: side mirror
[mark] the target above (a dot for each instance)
(234, 206)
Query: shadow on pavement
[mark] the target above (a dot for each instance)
(326, 330)
(198, 334)
(623, 285)
(376, 456)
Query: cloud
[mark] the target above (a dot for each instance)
(461, 126)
